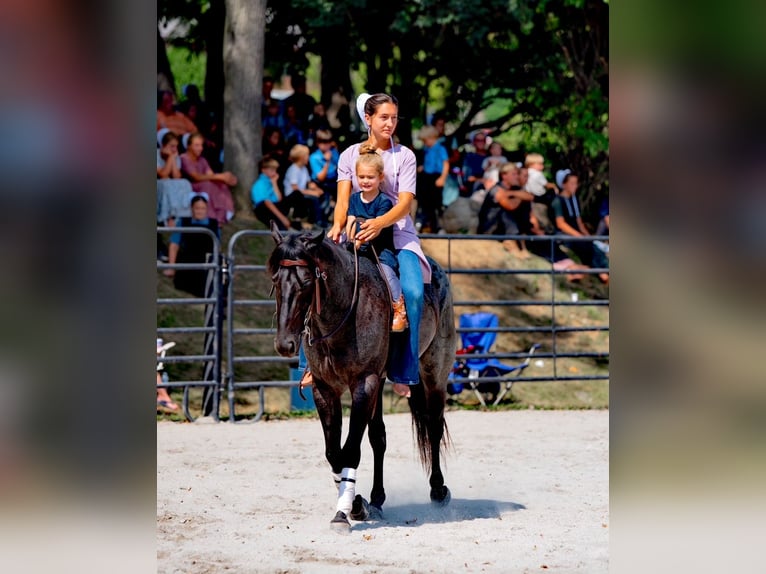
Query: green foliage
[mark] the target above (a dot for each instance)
(188, 67)
(533, 72)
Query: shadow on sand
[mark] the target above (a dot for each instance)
(458, 510)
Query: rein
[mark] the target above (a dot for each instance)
(316, 302)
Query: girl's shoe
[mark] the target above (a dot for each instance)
(399, 322)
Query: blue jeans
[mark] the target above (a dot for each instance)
(404, 363)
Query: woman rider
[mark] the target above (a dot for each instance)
(379, 114)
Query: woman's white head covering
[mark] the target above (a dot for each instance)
(360, 102)
(161, 134)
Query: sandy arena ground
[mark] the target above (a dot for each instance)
(529, 494)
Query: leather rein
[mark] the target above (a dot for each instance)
(316, 302)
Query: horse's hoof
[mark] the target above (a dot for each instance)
(360, 509)
(340, 523)
(441, 496)
(376, 512)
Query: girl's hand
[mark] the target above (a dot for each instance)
(350, 227)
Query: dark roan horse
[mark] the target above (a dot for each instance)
(337, 305)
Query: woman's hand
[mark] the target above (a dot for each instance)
(370, 229)
(335, 232)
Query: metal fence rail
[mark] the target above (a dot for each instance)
(221, 355)
(212, 329)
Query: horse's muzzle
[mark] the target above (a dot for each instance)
(286, 346)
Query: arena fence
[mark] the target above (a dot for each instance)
(236, 355)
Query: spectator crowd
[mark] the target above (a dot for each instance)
(296, 185)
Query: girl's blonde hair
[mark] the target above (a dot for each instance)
(368, 156)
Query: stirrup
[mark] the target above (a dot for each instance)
(306, 381)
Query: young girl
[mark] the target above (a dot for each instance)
(173, 191)
(495, 158)
(368, 204)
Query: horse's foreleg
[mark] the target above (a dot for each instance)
(363, 398)
(330, 415)
(377, 435)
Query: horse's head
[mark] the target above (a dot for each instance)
(295, 274)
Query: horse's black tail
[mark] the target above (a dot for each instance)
(428, 423)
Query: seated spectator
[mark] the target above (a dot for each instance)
(554, 254)
(273, 145)
(490, 179)
(169, 117)
(495, 158)
(298, 180)
(268, 203)
(603, 218)
(173, 191)
(523, 175)
(273, 118)
(432, 176)
(339, 114)
(302, 102)
(267, 85)
(204, 180)
(543, 191)
(323, 164)
(195, 108)
(566, 210)
(472, 162)
(294, 130)
(450, 143)
(192, 248)
(506, 210)
(317, 121)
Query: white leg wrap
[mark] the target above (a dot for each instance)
(336, 480)
(347, 490)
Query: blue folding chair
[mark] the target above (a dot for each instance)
(467, 368)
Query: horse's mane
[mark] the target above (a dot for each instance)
(315, 247)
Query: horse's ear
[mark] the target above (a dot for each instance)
(276, 234)
(319, 237)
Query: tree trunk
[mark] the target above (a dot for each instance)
(243, 55)
(165, 79)
(215, 22)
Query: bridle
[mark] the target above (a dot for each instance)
(316, 302)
